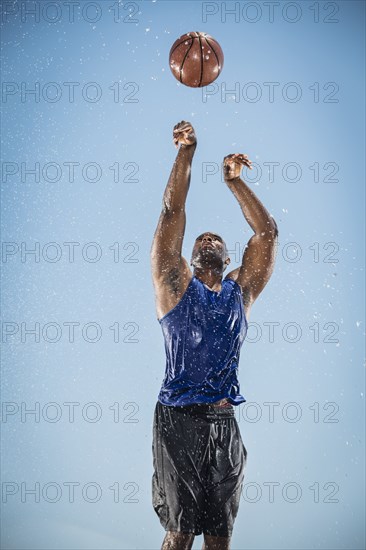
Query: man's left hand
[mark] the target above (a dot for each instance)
(233, 165)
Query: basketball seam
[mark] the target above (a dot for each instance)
(180, 43)
(201, 76)
(181, 67)
(213, 49)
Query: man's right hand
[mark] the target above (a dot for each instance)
(233, 165)
(183, 133)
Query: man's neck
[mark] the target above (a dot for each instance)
(209, 278)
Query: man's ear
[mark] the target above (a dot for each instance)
(227, 263)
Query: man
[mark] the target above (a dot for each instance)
(199, 457)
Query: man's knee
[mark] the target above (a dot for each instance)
(216, 543)
(175, 540)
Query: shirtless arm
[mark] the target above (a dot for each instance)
(170, 271)
(260, 252)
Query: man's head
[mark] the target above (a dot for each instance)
(210, 252)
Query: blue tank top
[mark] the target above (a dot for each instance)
(203, 335)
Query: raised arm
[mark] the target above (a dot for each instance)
(260, 252)
(166, 252)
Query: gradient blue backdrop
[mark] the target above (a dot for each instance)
(315, 441)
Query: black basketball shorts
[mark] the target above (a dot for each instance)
(199, 461)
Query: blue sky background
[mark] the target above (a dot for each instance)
(310, 371)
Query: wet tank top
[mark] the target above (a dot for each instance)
(203, 335)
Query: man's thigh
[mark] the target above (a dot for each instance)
(224, 480)
(178, 452)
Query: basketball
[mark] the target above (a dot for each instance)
(196, 59)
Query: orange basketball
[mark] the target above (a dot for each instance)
(196, 59)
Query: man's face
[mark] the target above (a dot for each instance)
(210, 249)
